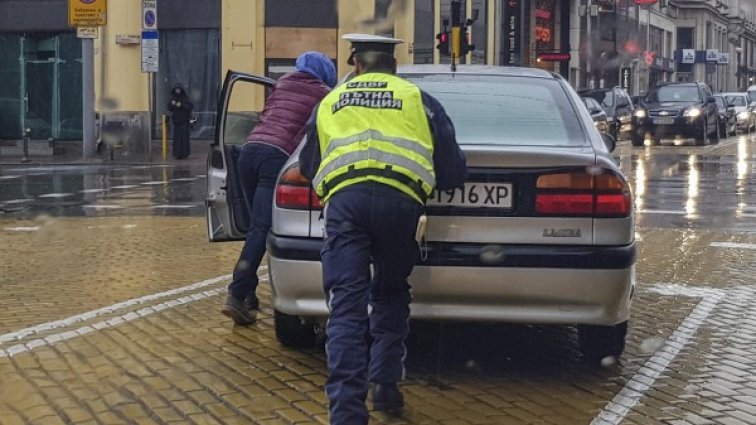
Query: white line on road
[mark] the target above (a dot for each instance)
(733, 245)
(127, 316)
(23, 333)
(678, 212)
(55, 195)
(22, 229)
(616, 410)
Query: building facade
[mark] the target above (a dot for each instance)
(200, 40)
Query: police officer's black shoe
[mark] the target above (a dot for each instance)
(236, 309)
(387, 398)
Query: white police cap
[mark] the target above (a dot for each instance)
(370, 43)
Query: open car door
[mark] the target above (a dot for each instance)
(239, 108)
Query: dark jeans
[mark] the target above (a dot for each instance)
(366, 223)
(257, 167)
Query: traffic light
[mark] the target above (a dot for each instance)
(465, 46)
(443, 43)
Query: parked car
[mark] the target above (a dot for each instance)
(598, 115)
(744, 110)
(728, 120)
(680, 110)
(542, 232)
(752, 93)
(618, 107)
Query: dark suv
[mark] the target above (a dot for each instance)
(679, 110)
(618, 107)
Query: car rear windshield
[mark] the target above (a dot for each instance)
(603, 97)
(675, 94)
(503, 110)
(737, 100)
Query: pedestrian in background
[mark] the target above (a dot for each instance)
(278, 133)
(181, 114)
(376, 148)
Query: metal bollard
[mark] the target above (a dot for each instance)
(26, 135)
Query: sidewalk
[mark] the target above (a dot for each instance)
(71, 153)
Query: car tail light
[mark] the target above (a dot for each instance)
(583, 194)
(293, 191)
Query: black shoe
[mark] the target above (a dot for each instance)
(237, 310)
(252, 303)
(387, 398)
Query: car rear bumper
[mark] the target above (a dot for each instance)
(525, 284)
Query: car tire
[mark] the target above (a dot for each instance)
(292, 331)
(704, 137)
(598, 342)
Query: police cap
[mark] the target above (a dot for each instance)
(370, 43)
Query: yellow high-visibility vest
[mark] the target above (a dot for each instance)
(374, 128)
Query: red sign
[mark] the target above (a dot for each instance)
(649, 57)
(645, 2)
(554, 57)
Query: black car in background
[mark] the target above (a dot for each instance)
(598, 114)
(728, 118)
(677, 110)
(618, 107)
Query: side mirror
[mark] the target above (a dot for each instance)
(609, 141)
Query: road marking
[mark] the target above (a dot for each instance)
(175, 206)
(23, 333)
(733, 245)
(22, 229)
(93, 190)
(9, 177)
(103, 206)
(127, 316)
(55, 195)
(616, 410)
(676, 212)
(18, 201)
(125, 186)
(153, 183)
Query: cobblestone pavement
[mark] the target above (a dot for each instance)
(114, 320)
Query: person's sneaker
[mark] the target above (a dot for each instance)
(236, 309)
(387, 398)
(253, 304)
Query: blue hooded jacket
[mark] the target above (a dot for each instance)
(318, 65)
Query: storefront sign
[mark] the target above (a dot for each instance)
(544, 25)
(688, 56)
(87, 13)
(512, 27)
(554, 57)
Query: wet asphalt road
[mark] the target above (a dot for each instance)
(111, 294)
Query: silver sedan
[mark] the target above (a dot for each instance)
(542, 233)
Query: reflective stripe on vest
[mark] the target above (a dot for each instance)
(375, 128)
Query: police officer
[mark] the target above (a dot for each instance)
(376, 148)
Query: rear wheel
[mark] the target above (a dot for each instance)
(597, 342)
(293, 331)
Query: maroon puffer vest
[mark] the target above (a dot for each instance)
(282, 122)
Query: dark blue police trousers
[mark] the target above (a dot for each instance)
(366, 223)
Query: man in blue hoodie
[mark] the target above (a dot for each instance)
(279, 131)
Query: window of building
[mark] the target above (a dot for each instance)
(425, 37)
(301, 13)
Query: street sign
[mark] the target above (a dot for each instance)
(688, 56)
(149, 15)
(87, 13)
(712, 55)
(626, 79)
(724, 58)
(150, 51)
(87, 32)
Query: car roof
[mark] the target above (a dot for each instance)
(507, 71)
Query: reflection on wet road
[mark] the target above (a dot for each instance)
(100, 190)
(702, 187)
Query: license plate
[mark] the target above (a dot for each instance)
(474, 195)
(664, 120)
